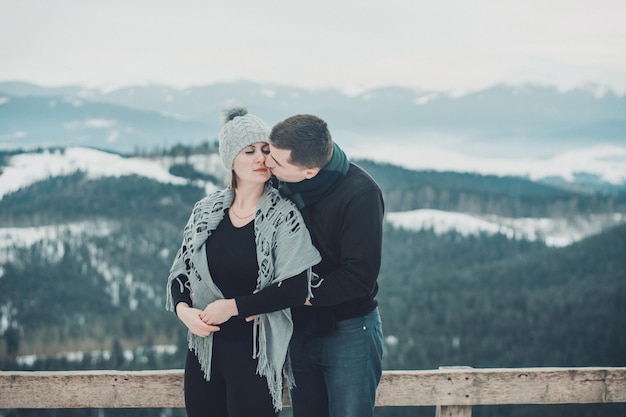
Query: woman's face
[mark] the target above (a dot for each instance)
(249, 164)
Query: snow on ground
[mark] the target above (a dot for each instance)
(553, 231)
(140, 353)
(53, 236)
(607, 162)
(28, 168)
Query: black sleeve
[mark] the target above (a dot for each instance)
(180, 294)
(360, 249)
(288, 293)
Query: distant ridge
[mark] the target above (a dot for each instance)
(571, 139)
(532, 113)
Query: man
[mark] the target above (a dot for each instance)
(336, 348)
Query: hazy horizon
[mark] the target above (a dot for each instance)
(350, 45)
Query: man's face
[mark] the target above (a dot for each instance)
(278, 162)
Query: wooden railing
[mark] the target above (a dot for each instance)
(454, 390)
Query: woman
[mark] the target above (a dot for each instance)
(246, 252)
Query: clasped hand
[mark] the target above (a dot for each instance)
(191, 317)
(219, 311)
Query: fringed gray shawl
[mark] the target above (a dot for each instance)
(284, 249)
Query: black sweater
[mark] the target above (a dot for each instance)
(346, 228)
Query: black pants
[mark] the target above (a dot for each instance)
(235, 390)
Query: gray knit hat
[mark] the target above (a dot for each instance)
(240, 129)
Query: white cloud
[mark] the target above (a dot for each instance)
(14, 135)
(113, 136)
(91, 123)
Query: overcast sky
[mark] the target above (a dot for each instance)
(349, 44)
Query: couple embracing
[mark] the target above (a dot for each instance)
(277, 276)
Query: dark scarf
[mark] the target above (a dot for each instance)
(308, 191)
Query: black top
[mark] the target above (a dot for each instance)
(346, 228)
(231, 255)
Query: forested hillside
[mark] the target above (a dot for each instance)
(490, 302)
(87, 267)
(405, 189)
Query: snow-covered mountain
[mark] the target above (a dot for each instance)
(25, 169)
(575, 137)
(600, 167)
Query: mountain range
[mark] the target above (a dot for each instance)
(503, 119)
(552, 223)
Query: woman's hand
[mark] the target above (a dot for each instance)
(191, 318)
(219, 311)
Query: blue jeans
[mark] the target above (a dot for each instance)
(337, 374)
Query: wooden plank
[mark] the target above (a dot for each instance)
(502, 386)
(92, 389)
(544, 386)
(446, 387)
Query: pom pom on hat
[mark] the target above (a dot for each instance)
(240, 129)
(230, 113)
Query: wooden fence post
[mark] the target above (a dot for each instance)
(454, 410)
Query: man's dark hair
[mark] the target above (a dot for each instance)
(308, 139)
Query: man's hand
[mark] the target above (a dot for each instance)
(219, 311)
